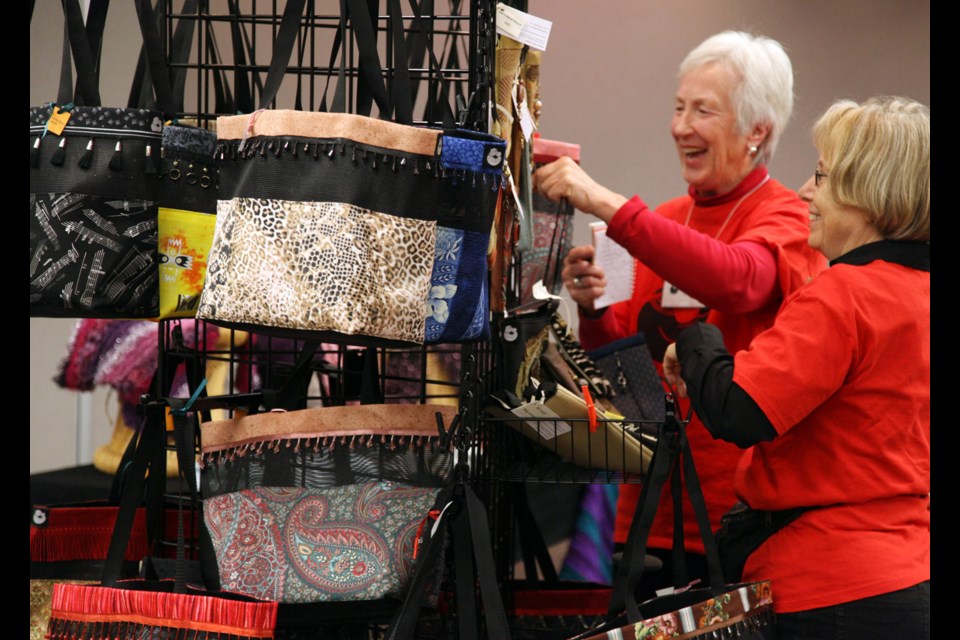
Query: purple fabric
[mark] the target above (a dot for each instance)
(590, 556)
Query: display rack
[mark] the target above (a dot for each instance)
(451, 45)
(223, 75)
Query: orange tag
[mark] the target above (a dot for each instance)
(57, 121)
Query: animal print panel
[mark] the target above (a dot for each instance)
(318, 266)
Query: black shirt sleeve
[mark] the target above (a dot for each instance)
(727, 411)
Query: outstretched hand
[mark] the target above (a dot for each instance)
(564, 178)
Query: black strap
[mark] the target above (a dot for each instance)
(282, 49)
(181, 45)
(630, 570)
(86, 45)
(673, 450)
(462, 515)
(291, 394)
(465, 578)
(87, 92)
(369, 71)
(245, 80)
(186, 437)
(96, 18)
(144, 480)
(533, 547)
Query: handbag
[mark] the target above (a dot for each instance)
(93, 189)
(128, 609)
(719, 608)
(637, 390)
(187, 204)
(552, 394)
(551, 227)
(742, 530)
(329, 499)
(343, 227)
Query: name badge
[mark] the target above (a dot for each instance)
(674, 298)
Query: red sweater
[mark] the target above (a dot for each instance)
(857, 342)
(760, 256)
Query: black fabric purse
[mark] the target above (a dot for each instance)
(93, 187)
(742, 530)
(637, 391)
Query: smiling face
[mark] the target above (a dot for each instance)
(714, 153)
(835, 229)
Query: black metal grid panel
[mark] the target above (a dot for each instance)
(233, 46)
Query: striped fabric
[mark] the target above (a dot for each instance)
(590, 557)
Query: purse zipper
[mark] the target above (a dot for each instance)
(96, 132)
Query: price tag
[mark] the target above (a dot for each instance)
(58, 121)
(509, 21)
(526, 121)
(547, 425)
(523, 27)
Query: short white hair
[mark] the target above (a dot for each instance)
(764, 91)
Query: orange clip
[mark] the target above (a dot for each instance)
(591, 408)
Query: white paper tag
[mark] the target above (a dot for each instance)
(523, 27)
(548, 424)
(527, 126)
(674, 298)
(540, 292)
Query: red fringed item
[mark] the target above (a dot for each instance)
(81, 533)
(89, 612)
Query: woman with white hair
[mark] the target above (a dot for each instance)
(836, 395)
(727, 252)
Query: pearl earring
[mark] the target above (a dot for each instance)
(753, 150)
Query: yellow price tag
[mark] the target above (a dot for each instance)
(58, 121)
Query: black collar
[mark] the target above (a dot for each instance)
(913, 254)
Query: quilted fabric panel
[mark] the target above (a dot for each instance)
(299, 545)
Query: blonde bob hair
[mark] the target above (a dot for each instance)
(877, 158)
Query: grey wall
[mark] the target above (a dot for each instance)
(607, 83)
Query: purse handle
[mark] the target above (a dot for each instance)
(672, 450)
(83, 41)
(463, 518)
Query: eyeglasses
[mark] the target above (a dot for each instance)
(818, 176)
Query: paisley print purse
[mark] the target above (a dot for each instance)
(325, 504)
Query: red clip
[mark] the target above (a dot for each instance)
(433, 514)
(591, 408)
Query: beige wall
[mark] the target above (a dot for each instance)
(608, 78)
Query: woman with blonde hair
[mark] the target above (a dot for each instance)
(832, 403)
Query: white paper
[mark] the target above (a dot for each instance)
(527, 125)
(548, 424)
(617, 265)
(523, 27)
